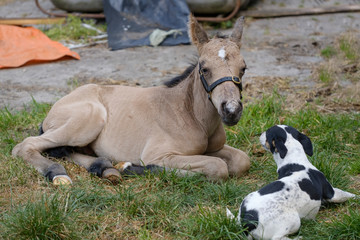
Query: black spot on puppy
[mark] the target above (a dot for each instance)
(322, 183)
(288, 169)
(317, 187)
(249, 218)
(271, 188)
(307, 186)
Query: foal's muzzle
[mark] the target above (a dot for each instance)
(230, 112)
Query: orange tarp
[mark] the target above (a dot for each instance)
(19, 46)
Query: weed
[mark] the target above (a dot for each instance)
(328, 52)
(73, 83)
(342, 60)
(325, 75)
(72, 30)
(349, 47)
(315, 19)
(221, 25)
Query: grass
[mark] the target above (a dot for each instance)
(328, 52)
(350, 47)
(74, 30)
(167, 206)
(51, 217)
(342, 60)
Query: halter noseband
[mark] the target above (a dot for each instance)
(210, 88)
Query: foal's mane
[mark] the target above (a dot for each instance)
(178, 79)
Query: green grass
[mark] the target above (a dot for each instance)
(341, 60)
(350, 48)
(74, 30)
(171, 207)
(325, 75)
(328, 52)
(51, 217)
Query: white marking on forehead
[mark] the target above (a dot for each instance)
(222, 53)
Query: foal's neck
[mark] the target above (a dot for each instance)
(203, 109)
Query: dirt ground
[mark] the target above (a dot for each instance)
(282, 52)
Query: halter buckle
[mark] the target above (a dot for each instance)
(233, 78)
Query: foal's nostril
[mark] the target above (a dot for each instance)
(223, 107)
(240, 106)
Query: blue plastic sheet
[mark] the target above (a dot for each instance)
(131, 22)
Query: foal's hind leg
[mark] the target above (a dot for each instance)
(99, 166)
(66, 125)
(212, 167)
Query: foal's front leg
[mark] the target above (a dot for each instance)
(213, 168)
(238, 162)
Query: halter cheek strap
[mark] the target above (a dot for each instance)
(210, 88)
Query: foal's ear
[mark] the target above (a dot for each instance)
(238, 30)
(197, 34)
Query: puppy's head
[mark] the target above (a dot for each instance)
(281, 138)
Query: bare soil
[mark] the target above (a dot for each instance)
(281, 53)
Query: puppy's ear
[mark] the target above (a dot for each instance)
(280, 147)
(306, 143)
(277, 145)
(302, 138)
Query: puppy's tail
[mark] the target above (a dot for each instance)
(128, 169)
(229, 214)
(340, 196)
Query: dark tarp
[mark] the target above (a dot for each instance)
(130, 22)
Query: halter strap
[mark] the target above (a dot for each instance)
(210, 88)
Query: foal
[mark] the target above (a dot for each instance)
(176, 126)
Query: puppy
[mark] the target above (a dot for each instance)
(274, 211)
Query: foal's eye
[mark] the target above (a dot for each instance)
(205, 70)
(242, 71)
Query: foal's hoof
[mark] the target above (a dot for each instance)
(112, 175)
(62, 180)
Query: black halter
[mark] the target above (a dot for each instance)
(210, 88)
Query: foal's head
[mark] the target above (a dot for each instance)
(220, 59)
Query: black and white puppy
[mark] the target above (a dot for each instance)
(274, 211)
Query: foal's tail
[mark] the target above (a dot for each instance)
(128, 169)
